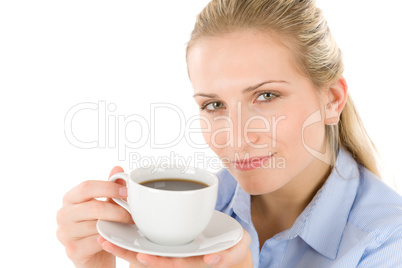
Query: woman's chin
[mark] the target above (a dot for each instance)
(257, 181)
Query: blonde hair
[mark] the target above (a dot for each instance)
(300, 26)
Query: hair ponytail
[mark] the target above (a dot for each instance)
(353, 136)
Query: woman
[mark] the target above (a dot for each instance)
(301, 173)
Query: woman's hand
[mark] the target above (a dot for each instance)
(78, 216)
(237, 256)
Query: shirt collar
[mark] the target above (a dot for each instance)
(241, 205)
(323, 221)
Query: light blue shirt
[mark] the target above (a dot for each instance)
(354, 220)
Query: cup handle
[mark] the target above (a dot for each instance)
(119, 201)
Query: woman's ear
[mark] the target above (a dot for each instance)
(337, 96)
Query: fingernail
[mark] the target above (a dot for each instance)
(214, 259)
(144, 262)
(105, 249)
(123, 191)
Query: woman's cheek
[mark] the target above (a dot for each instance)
(206, 128)
(313, 130)
(287, 136)
(215, 134)
(313, 136)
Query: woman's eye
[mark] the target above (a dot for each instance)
(212, 106)
(215, 105)
(266, 96)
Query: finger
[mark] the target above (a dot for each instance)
(88, 190)
(95, 209)
(122, 253)
(231, 256)
(70, 232)
(83, 249)
(115, 170)
(82, 229)
(167, 262)
(101, 240)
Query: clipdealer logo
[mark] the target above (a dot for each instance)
(112, 130)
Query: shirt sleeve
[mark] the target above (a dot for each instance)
(386, 255)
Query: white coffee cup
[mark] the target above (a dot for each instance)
(169, 217)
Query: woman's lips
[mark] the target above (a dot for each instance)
(251, 163)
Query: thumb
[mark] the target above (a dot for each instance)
(115, 170)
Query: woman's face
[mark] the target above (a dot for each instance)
(254, 103)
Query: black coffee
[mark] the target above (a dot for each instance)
(174, 184)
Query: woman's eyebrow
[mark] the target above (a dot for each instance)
(205, 95)
(246, 90)
(252, 88)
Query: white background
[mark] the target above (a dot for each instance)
(57, 54)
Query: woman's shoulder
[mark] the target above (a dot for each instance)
(377, 208)
(376, 217)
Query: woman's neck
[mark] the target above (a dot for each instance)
(275, 212)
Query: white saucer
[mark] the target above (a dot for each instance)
(221, 233)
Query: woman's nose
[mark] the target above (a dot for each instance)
(247, 127)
